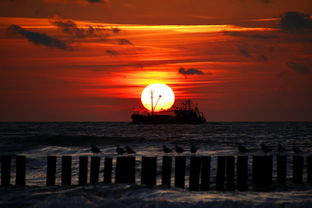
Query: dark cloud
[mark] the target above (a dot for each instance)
(94, 1)
(70, 27)
(248, 35)
(263, 58)
(38, 38)
(190, 71)
(245, 52)
(299, 68)
(112, 52)
(296, 22)
(123, 41)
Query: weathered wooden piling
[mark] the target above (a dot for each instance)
(20, 170)
(309, 169)
(83, 170)
(297, 169)
(125, 170)
(95, 169)
(281, 163)
(220, 176)
(51, 170)
(108, 166)
(179, 172)
(230, 173)
(66, 170)
(5, 170)
(205, 173)
(194, 173)
(149, 171)
(166, 170)
(262, 172)
(242, 173)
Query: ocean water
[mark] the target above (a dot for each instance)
(38, 140)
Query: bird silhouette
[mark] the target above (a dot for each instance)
(119, 150)
(242, 149)
(265, 148)
(179, 149)
(296, 149)
(281, 148)
(193, 148)
(129, 150)
(95, 149)
(166, 149)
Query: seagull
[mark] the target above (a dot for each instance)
(95, 149)
(281, 148)
(193, 149)
(296, 149)
(166, 149)
(119, 150)
(179, 149)
(129, 150)
(242, 149)
(265, 148)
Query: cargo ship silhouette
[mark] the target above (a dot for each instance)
(187, 114)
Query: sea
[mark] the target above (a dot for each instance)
(37, 140)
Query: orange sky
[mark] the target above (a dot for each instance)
(66, 60)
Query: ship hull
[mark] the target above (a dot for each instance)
(166, 119)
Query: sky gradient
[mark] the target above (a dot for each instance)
(89, 60)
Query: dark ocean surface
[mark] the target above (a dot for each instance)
(37, 140)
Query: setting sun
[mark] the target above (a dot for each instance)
(157, 97)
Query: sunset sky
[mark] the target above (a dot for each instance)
(89, 60)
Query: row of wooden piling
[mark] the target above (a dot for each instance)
(231, 173)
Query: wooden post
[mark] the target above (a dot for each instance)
(262, 172)
(66, 170)
(179, 171)
(51, 170)
(5, 170)
(166, 170)
(149, 171)
(83, 170)
(194, 173)
(125, 170)
(242, 173)
(297, 169)
(20, 170)
(108, 166)
(230, 172)
(205, 173)
(220, 173)
(281, 169)
(95, 169)
(309, 169)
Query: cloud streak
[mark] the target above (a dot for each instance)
(38, 38)
(190, 71)
(299, 68)
(296, 22)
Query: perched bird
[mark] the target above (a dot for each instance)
(281, 148)
(193, 149)
(179, 149)
(129, 150)
(296, 149)
(119, 150)
(242, 149)
(166, 149)
(95, 149)
(265, 148)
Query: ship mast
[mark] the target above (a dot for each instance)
(152, 104)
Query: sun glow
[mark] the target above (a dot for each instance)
(157, 97)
